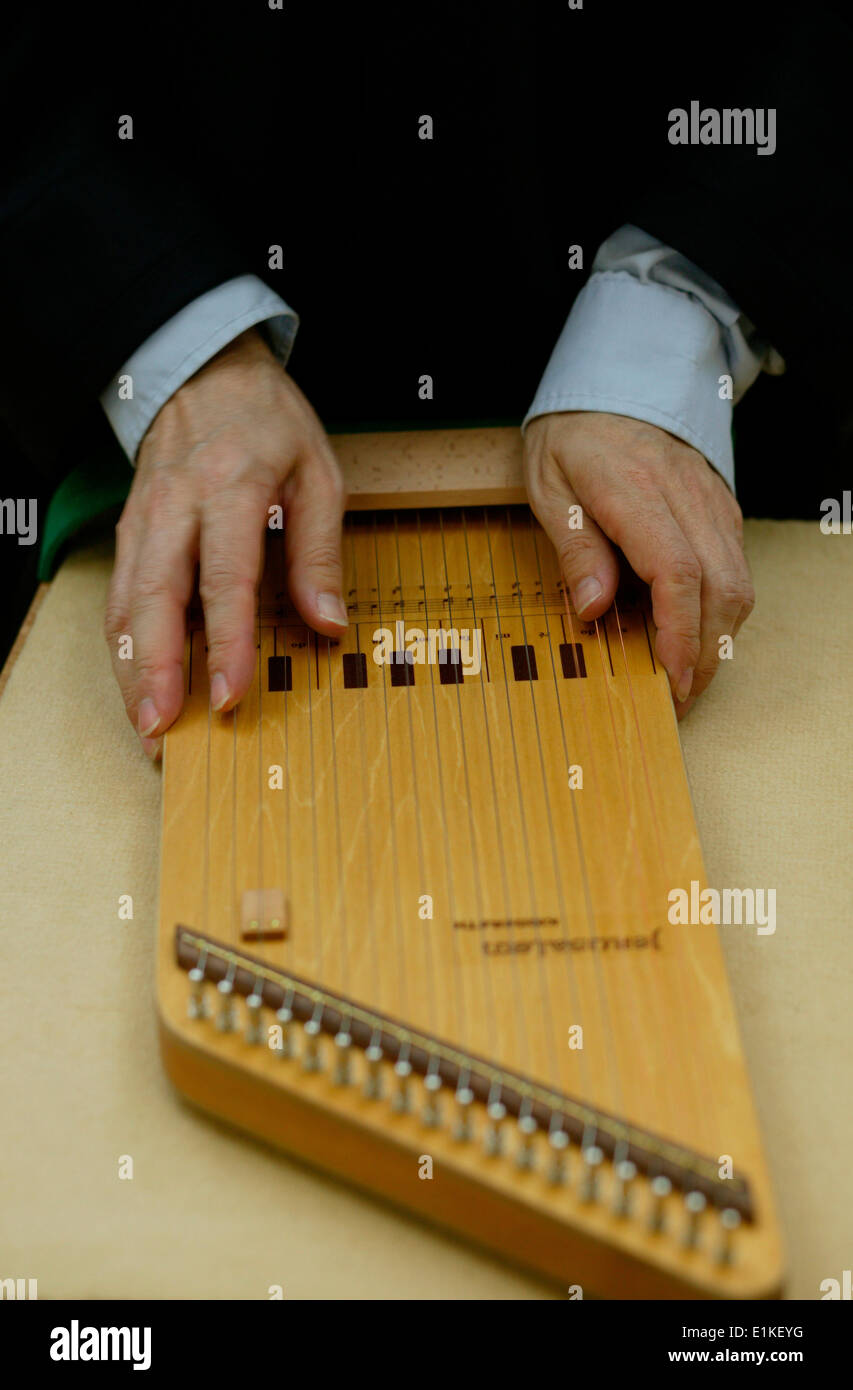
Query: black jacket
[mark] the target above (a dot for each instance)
(255, 127)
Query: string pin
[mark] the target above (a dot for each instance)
(343, 1043)
(729, 1223)
(462, 1126)
(311, 1053)
(493, 1137)
(225, 1018)
(197, 1007)
(431, 1114)
(400, 1102)
(254, 1004)
(373, 1079)
(694, 1205)
(527, 1127)
(593, 1158)
(661, 1188)
(284, 1018)
(559, 1141)
(625, 1173)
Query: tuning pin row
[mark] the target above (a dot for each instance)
(624, 1171)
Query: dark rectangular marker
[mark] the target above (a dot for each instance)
(355, 670)
(402, 670)
(571, 655)
(450, 667)
(524, 663)
(279, 673)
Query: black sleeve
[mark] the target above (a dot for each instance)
(100, 241)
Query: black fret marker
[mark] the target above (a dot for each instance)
(402, 670)
(571, 655)
(355, 670)
(279, 673)
(450, 669)
(524, 663)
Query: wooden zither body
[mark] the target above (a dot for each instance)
(414, 917)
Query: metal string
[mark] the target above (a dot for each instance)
(574, 987)
(459, 994)
(515, 964)
(349, 531)
(700, 1071)
(475, 858)
(398, 916)
(427, 934)
(543, 978)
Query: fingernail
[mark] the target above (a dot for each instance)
(219, 692)
(153, 747)
(682, 690)
(586, 593)
(147, 717)
(332, 610)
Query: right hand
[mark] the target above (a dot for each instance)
(236, 438)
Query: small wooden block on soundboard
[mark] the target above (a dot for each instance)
(264, 915)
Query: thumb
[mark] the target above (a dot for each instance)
(587, 560)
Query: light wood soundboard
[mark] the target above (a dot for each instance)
(414, 916)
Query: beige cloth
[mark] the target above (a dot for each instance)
(211, 1214)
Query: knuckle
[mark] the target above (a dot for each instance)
(115, 622)
(321, 555)
(732, 590)
(219, 579)
(150, 587)
(576, 551)
(682, 571)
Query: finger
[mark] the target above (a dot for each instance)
(117, 616)
(161, 589)
(587, 560)
(640, 522)
(231, 553)
(727, 595)
(315, 501)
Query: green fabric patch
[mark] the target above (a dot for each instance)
(89, 492)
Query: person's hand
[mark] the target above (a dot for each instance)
(236, 439)
(668, 511)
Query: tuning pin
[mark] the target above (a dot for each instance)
(462, 1127)
(225, 1017)
(400, 1101)
(311, 1060)
(694, 1205)
(284, 1018)
(343, 1043)
(254, 1004)
(197, 1007)
(431, 1114)
(593, 1158)
(527, 1127)
(493, 1136)
(559, 1142)
(661, 1188)
(624, 1173)
(373, 1077)
(729, 1223)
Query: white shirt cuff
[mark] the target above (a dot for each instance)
(641, 349)
(189, 339)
